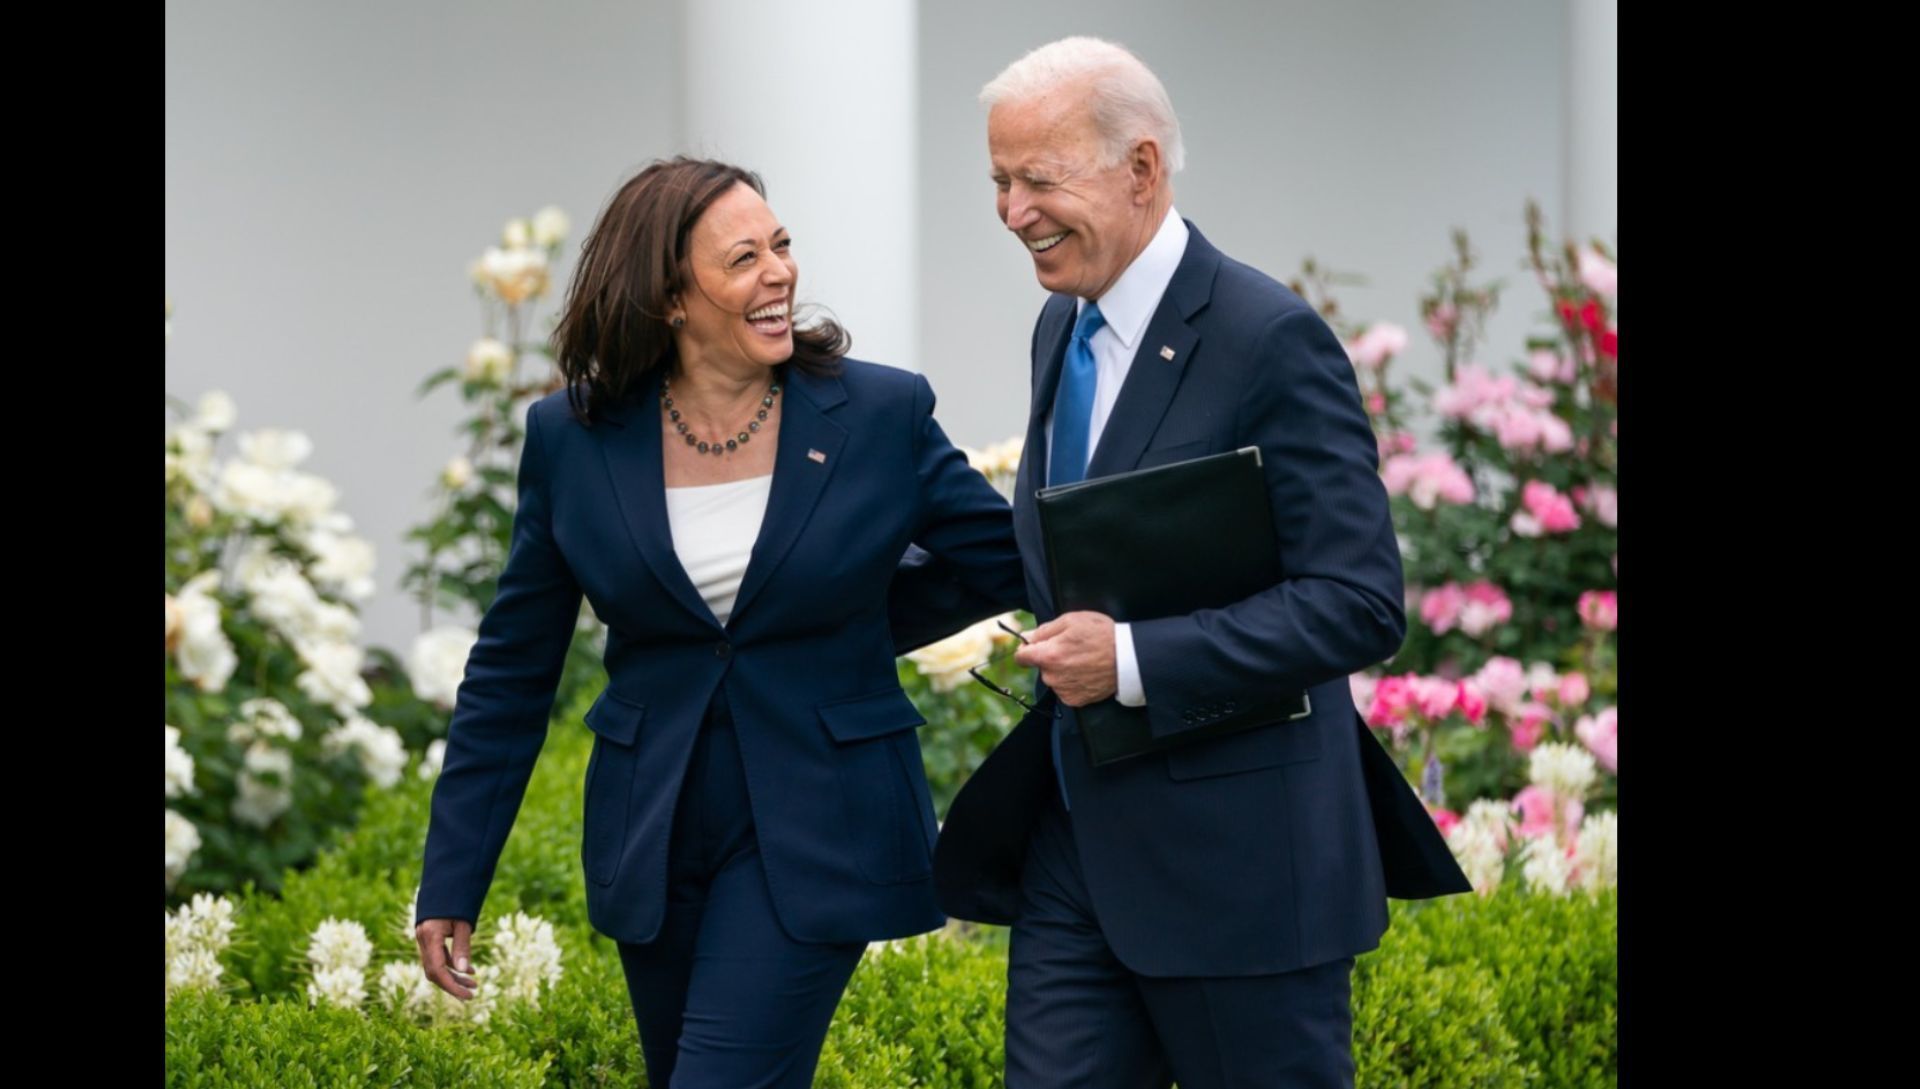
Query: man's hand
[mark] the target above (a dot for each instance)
(1074, 653)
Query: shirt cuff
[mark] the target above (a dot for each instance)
(1132, 693)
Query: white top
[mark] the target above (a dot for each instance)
(1128, 306)
(714, 527)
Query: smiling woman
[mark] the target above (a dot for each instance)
(735, 499)
(686, 265)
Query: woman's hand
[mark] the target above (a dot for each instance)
(456, 976)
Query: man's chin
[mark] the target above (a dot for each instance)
(1053, 280)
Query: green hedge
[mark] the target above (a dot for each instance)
(1516, 989)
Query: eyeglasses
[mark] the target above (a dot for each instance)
(990, 662)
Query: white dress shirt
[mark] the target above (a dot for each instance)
(1128, 306)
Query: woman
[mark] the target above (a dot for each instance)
(733, 498)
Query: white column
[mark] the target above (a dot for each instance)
(820, 99)
(1593, 120)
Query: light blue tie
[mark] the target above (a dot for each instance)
(1072, 427)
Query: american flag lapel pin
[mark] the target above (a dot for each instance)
(1166, 353)
(815, 455)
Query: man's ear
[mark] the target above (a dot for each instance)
(1146, 169)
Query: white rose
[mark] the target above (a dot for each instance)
(333, 623)
(344, 564)
(307, 498)
(438, 662)
(381, 753)
(176, 620)
(183, 839)
(489, 362)
(1004, 456)
(946, 662)
(179, 766)
(275, 448)
(550, 226)
(190, 456)
(206, 657)
(249, 491)
(216, 411)
(333, 676)
(458, 473)
(514, 275)
(263, 717)
(266, 785)
(430, 765)
(516, 234)
(280, 595)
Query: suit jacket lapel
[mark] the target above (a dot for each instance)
(637, 468)
(809, 449)
(1153, 376)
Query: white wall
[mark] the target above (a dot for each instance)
(331, 169)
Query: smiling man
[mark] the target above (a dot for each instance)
(1190, 914)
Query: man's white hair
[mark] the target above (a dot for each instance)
(1127, 100)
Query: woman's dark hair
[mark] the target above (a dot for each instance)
(613, 330)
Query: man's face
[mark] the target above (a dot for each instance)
(1082, 223)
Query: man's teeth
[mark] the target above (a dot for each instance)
(777, 310)
(1046, 243)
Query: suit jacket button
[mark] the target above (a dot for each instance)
(722, 650)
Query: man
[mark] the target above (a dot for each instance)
(1190, 915)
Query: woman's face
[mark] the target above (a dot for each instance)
(741, 276)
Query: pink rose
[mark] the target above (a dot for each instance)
(1604, 503)
(1544, 366)
(1380, 342)
(1392, 700)
(1553, 511)
(1427, 480)
(1574, 690)
(1556, 434)
(1534, 397)
(1474, 389)
(1600, 733)
(1527, 724)
(1504, 681)
(1440, 607)
(1396, 442)
(1473, 702)
(1600, 610)
(1485, 606)
(1600, 275)
(1435, 696)
(1362, 685)
(1517, 430)
(1535, 807)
